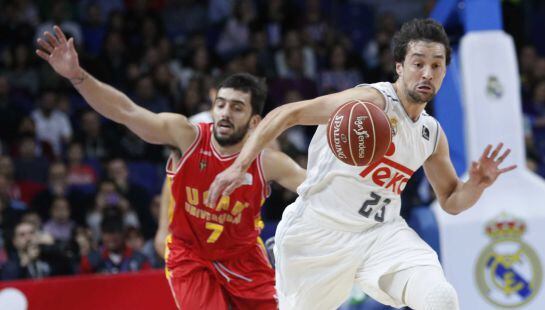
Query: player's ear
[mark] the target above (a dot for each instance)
(399, 68)
(254, 121)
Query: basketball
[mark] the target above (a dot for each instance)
(359, 133)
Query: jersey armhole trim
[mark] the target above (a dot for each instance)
(261, 172)
(436, 135)
(168, 167)
(189, 151)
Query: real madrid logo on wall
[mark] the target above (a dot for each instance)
(508, 271)
(494, 88)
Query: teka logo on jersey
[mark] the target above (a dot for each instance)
(337, 137)
(388, 173)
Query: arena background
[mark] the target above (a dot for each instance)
(66, 172)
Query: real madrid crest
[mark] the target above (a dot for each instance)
(393, 125)
(508, 272)
(494, 88)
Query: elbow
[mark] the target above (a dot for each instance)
(452, 211)
(449, 208)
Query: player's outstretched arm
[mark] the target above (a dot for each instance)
(308, 112)
(162, 231)
(164, 128)
(454, 195)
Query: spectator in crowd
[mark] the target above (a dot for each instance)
(98, 142)
(114, 59)
(32, 217)
(235, 35)
(60, 15)
(60, 226)
(26, 261)
(200, 65)
(106, 199)
(138, 197)
(538, 120)
(29, 165)
(93, 29)
(57, 186)
(265, 56)
(10, 113)
(147, 96)
(279, 16)
(339, 74)
(166, 82)
(80, 174)
(7, 169)
(182, 18)
(135, 241)
(115, 256)
(11, 210)
(527, 59)
(22, 76)
(53, 127)
(315, 23)
(295, 60)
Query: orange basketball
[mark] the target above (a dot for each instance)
(359, 133)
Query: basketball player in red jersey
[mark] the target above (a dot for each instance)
(214, 259)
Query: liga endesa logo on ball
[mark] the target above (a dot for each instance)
(358, 133)
(361, 133)
(338, 137)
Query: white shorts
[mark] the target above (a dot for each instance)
(317, 266)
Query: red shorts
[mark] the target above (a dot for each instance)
(242, 282)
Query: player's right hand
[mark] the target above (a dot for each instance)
(59, 53)
(224, 184)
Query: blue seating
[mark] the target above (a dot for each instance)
(146, 174)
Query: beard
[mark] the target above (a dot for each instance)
(419, 98)
(232, 139)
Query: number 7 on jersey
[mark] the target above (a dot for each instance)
(217, 229)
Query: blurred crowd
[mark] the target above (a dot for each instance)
(79, 194)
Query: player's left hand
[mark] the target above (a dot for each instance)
(224, 184)
(486, 170)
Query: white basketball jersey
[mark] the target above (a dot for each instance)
(356, 197)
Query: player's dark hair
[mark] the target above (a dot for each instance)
(419, 29)
(248, 83)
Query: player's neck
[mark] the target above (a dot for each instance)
(413, 109)
(227, 149)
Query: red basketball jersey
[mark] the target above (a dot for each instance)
(230, 228)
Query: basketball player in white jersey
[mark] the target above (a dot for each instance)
(345, 227)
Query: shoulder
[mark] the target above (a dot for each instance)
(434, 130)
(376, 93)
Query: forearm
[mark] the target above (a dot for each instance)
(463, 197)
(103, 98)
(276, 122)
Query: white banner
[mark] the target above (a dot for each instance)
(494, 253)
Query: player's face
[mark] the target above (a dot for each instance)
(423, 70)
(232, 114)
